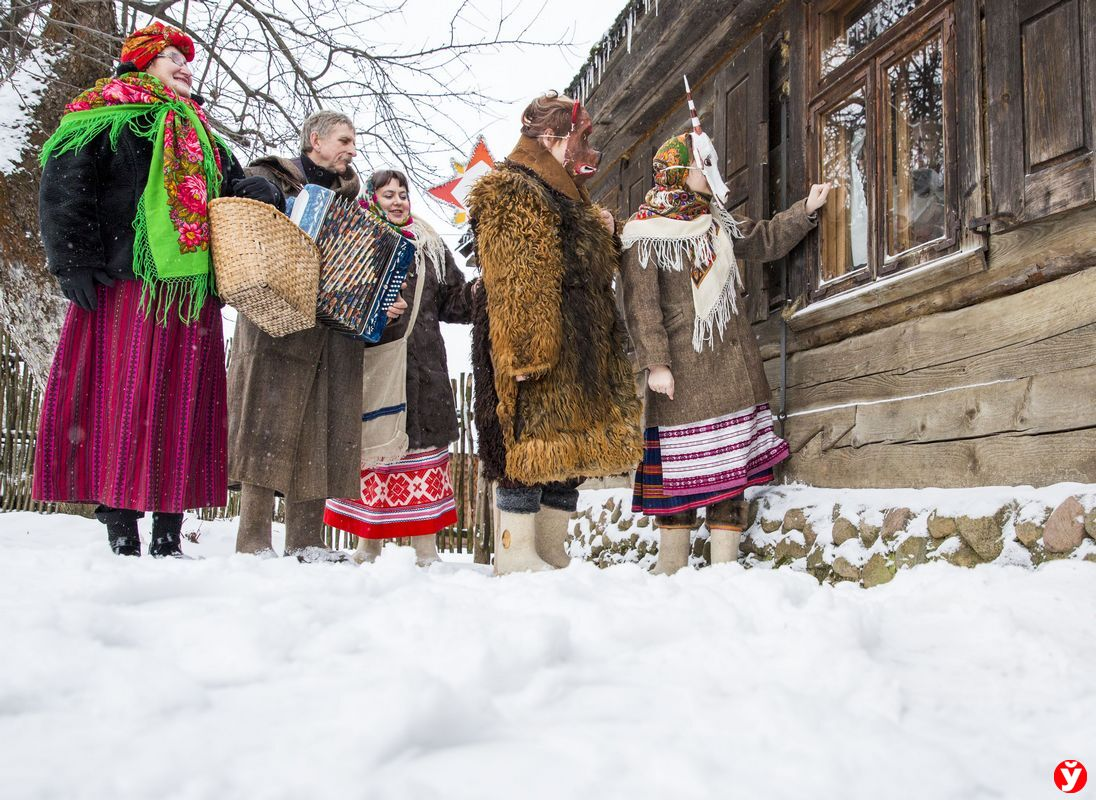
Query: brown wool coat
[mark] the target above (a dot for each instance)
(658, 305)
(548, 266)
(294, 402)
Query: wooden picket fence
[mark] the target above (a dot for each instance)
(20, 402)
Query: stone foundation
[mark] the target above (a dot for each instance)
(856, 536)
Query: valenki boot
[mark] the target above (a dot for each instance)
(426, 549)
(551, 536)
(726, 521)
(304, 532)
(166, 534)
(674, 546)
(724, 542)
(515, 545)
(367, 550)
(256, 514)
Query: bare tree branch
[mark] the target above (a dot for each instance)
(268, 63)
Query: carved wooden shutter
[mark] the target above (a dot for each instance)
(1041, 74)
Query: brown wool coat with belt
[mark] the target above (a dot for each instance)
(726, 376)
(548, 312)
(294, 402)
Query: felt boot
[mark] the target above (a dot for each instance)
(724, 542)
(551, 535)
(515, 544)
(367, 550)
(726, 521)
(166, 534)
(256, 515)
(121, 530)
(426, 549)
(674, 546)
(304, 532)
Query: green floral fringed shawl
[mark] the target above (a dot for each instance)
(171, 243)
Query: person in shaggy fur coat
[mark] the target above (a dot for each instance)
(555, 399)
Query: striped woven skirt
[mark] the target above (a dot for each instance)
(691, 466)
(410, 497)
(134, 413)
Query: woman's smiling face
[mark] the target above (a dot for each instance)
(393, 200)
(174, 76)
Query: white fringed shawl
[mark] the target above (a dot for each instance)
(428, 247)
(680, 245)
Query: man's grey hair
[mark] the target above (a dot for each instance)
(321, 123)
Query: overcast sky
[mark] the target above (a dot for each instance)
(513, 76)
(516, 76)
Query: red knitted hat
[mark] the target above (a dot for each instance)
(143, 45)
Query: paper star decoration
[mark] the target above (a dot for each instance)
(455, 191)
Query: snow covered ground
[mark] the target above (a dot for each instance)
(232, 677)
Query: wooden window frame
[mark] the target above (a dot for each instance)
(838, 96)
(867, 70)
(941, 25)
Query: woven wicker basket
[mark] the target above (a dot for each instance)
(265, 266)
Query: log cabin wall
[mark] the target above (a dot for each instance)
(940, 326)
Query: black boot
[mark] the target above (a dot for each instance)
(166, 533)
(121, 529)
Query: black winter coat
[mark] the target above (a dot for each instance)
(431, 412)
(88, 199)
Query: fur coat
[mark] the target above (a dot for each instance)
(548, 313)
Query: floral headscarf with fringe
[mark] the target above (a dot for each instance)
(171, 228)
(670, 197)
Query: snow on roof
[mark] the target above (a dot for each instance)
(589, 76)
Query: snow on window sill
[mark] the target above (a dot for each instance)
(891, 289)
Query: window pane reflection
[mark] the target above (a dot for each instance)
(852, 26)
(844, 223)
(915, 149)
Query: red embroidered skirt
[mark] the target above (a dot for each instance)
(411, 497)
(134, 414)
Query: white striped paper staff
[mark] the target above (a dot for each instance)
(692, 109)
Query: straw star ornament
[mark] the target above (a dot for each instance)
(454, 192)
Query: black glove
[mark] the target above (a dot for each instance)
(260, 189)
(79, 287)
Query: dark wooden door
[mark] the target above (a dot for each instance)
(741, 135)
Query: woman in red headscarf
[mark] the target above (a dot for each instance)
(133, 417)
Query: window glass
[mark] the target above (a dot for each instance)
(852, 26)
(844, 223)
(916, 199)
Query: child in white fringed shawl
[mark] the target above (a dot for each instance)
(708, 427)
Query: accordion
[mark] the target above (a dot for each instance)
(363, 263)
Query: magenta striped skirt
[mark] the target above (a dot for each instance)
(134, 414)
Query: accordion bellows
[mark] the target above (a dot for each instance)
(265, 266)
(364, 262)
